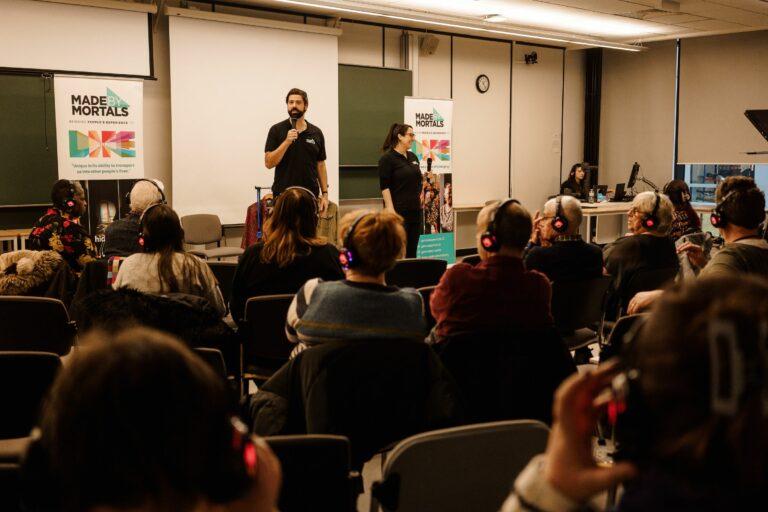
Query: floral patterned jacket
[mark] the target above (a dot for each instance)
(56, 231)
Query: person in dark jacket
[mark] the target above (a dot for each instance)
(122, 236)
(59, 228)
(291, 255)
(576, 185)
(685, 220)
(556, 248)
(691, 436)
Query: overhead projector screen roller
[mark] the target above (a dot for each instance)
(228, 86)
(60, 37)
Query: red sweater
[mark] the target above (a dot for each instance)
(496, 293)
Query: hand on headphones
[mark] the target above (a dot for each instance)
(569, 465)
(695, 254)
(536, 231)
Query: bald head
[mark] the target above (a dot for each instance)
(570, 209)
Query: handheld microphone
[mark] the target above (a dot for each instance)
(293, 125)
(429, 164)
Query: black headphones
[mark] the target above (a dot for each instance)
(347, 255)
(718, 218)
(677, 196)
(651, 221)
(144, 239)
(153, 182)
(68, 203)
(559, 222)
(489, 240)
(734, 372)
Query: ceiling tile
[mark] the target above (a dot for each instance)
(673, 19)
(712, 25)
(718, 11)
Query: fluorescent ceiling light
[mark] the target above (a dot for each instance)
(495, 18)
(558, 39)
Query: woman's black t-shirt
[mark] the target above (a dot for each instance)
(402, 176)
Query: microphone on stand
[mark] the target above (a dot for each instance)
(429, 164)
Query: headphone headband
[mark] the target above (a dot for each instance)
(718, 217)
(153, 182)
(347, 255)
(652, 221)
(559, 221)
(489, 240)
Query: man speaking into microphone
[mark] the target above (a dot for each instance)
(297, 149)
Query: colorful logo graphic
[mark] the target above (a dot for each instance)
(106, 144)
(435, 115)
(113, 100)
(434, 149)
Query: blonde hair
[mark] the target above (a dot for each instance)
(378, 239)
(291, 231)
(144, 194)
(644, 203)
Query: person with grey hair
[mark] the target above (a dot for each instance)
(647, 246)
(556, 248)
(122, 236)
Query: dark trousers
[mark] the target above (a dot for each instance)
(412, 225)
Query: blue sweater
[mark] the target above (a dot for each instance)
(344, 310)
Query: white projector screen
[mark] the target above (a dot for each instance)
(228, 86)
(59, 37)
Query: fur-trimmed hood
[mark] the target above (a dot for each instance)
(24, 271)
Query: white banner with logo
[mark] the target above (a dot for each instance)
(432, 122)
(99, 128)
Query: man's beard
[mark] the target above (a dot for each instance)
(295, 114)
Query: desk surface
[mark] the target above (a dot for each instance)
(605, 208)
(15, 232)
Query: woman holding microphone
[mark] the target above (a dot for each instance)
(400, 182)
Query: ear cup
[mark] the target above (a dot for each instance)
(489, 242)
(559, 222)
(347, 256)
(651, 221)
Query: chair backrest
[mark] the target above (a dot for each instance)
(416, 272)
(507, 375)
(225, 275)
(316, 473)
(12, 453)
(201, 228)
(25, 378)
(459, 469)
(36, 324)
(615, 342)
(214, 358)
(647, 279)
(577, 304)
(426, 294)
(472, 259)
(264, 331)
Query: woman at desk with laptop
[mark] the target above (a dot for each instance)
(576, 185)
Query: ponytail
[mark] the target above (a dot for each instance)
(391, 140)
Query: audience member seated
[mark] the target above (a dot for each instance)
(693, 434)
(576, 185)
(685, 220)
(165, 267)
(739, 212)
(361, 306)
(291, 255)
(60, 230)
(647, 246)
(498, 292)
(556, 248)
(122, 236)
(138, 422)
(36, 273)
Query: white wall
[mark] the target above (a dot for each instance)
(573, 110)
(638, 114)
(537, 115)
(480, 121)
(434, 71)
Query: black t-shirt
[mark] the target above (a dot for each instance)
(567, 260)
(572, 188)
(402, 176)
(254, 277)
(299, 164)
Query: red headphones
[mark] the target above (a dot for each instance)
(142, 237)
(559, 222)
(718, 218)
(651, 220)
(489, 240)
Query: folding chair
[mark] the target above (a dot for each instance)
(205, 228)
(214, 358)
(317, 474)
(224, 271)
(416, 272)
(35, 323)
(458, 469)
(265, 345)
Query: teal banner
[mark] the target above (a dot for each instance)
(439, 246)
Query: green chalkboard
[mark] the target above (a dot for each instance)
(370, 100)
(28, 164)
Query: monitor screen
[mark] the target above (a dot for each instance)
(759, 118)
(633, 176)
